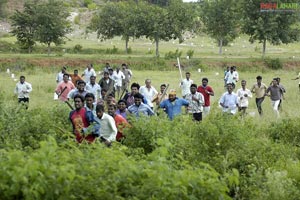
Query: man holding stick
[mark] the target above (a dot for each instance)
(85, 125)
(64, 87)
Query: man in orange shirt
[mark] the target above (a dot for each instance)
(75, 77)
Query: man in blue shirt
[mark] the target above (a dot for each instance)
(139, 107)
(173, 104)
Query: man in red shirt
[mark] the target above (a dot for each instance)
(82, 121)
(206, 91)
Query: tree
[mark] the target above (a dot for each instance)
(2, 6)
(42, 21)
(52, 23)
(275, 27)
(166, 23)
(24, 26)
(221, 20)
(122, 21)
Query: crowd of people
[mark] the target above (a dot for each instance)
(101, 109)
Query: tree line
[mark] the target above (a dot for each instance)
(161, 20)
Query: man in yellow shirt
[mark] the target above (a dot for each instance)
(259, 89)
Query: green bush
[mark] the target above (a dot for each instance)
(173, 55)
(190, 53)
(273, 63)
(77, 48)
(223, 157)
(114, 50)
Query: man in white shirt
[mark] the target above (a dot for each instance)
(186, 84)
(88, 72)
(94, 88)
(22, 90)
(148, 91)
(231, 77)
(108, 129)
(196, 101)
(60, 75)
(118, 77)
(244, 95)
(229, 100)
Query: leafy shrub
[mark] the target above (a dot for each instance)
(77, 48)
(286, 131)
(77, 19)
(190, 53)
(92, 6)
(52, 172)
(173, 55)
(114, 50)
(273, 63)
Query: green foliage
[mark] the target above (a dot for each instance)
(45, 22)
(114, 50)
(221, 20)
(190, 53)
(77, 19)
(54, 172)
(92, 6)
(173, 55)
(2, 8)
(77, 48)
(273, 63)
(286, 131)
(274, 27)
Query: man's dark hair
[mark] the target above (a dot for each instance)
(22, 77)
(113, 106)
(163, 85)
(205, 79)
(80, 82)
(122, 101)
(187, 73)
(100, 108)
(88, 95)
(65, 74)
(259, 78)
(135, 85)
(79, 96)
(106, 73)
(139, 96)
(103, 89)
(124, 64)
(194, 85)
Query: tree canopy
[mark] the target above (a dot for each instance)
(221, 20)
(44, 22)
(131, 19)
(275, 27)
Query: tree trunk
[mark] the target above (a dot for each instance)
(126, 44)
(49, 50)
(220, 46)
(264, 48)
(156, 47)
(29, 49)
